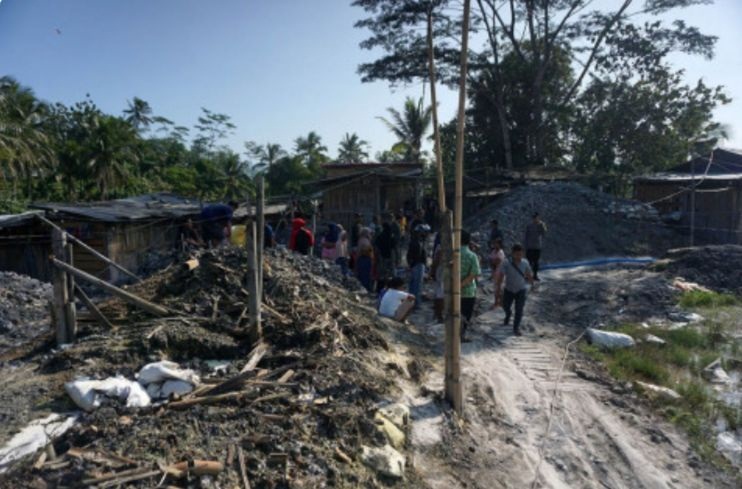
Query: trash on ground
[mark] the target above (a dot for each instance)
(609, 340)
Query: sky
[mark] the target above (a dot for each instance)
(279, 68)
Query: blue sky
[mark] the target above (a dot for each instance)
(279, 68)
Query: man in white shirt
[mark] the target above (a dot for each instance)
(395, 303)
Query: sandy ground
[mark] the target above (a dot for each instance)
(525, 426)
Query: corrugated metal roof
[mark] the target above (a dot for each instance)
(141, 207)
(15, 220)
(684, 177)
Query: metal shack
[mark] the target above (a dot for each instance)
(714, 184)
(369, 189)
(129, 231)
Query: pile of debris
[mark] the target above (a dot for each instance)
(717, 267)
(582, 223)
(302, 407)
(24, 308)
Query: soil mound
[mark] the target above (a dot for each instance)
(24, 308)
(582, 223)
(300, 413)
(717, 267)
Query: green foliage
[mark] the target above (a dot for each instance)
(557, 82)
(352, 149)
(410, 127)
(699, 298)
(78, 152)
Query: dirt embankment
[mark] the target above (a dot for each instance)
(716, 267)
(582, 223)
(308, 431)
(24, 309)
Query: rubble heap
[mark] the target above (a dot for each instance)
(582, 223)
(294, 410)
(716, 267)
(24, 308)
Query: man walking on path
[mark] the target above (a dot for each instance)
(517, 275)
(416, 260)
(470, 270)
(496, 232)
(535, 232)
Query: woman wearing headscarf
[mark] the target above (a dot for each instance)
(365, 260)
(329, 242)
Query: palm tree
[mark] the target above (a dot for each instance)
(139, 114)
(264, 156)
(310, 148)
(24, 146)
(351, 149)
(111, 150)
(410, 126)
(236, 181)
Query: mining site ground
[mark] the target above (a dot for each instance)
(533, 416)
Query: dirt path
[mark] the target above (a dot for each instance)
(598, 435)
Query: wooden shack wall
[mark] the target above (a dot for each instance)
(718, 206)
(130, 244)
(367, 196)
(25, 250)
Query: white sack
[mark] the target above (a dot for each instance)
(161, 371)
(88, 394)
(609, 340)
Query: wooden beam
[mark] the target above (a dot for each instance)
(260, 216)
(90, 250)
(92, 307)
(60, 288)
(256, 332)
(121, 293)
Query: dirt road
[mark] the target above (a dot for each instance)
(524, 425)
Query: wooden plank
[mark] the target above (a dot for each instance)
(121, 293)
(97, 314)
(59, 284)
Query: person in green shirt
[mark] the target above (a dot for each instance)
(470, 270)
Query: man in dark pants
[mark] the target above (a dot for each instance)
(535, 232)
(517, 275)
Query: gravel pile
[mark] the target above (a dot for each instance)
(24, 308)
(582, 223)
(717, 267)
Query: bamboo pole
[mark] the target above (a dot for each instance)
(121, 293)
(253, 289)
(61, 290)
(453, 384)
(260, 211)
(91, 250)
(70, 311)
(436, 129)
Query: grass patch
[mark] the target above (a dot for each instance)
(700, 298)
(678, 364)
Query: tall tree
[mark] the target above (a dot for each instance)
(212, 128)
(264, 156)
(24, 145)
(534, 33)
(352, 149)
(139, 114)
(311, 151)
(410, 126)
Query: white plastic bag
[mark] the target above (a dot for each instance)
(88, 394)
(161, 371)
(609, 340)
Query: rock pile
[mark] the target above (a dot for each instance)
(716, 267)
(582, 223)
(298, 409)
(24, 308)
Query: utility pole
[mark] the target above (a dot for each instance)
(454, 391)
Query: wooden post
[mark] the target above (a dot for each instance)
(253, 290)
(453, 384)
(61, 289)
(90, 250)
(70, 311)
(121, 293)
(436, 129)
(260, 211)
